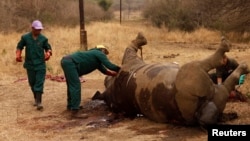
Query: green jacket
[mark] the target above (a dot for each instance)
(34, 51)
(88, 61)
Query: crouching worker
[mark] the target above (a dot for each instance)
(82, 63)
(222, 72)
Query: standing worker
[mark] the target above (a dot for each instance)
(81, 63)
(37, 51)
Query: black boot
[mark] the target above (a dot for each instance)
(39, 101)
(75, 114)
(35, 104)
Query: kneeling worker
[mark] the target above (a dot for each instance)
(222, 72)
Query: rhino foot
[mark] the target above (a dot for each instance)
(208, 114)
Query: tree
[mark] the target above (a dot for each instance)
(223, 15)
(105, 4)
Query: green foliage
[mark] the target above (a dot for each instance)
(223, 15)
(17, 15)
(185, 22)
(105, 4)
(170, 14)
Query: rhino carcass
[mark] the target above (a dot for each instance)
(142, 88)
(147, 89)
(167, 92)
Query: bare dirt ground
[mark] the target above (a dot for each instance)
(20, 121)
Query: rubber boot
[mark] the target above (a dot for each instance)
(80, 108)
(39, 101)
(76, 114)
(35, 104)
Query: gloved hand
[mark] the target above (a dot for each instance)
(18, 55)
(242, 79)
(47, 55)
(111, 73)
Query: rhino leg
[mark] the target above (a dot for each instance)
(208, 114)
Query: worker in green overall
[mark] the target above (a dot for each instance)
(37, 51)
(81, 63)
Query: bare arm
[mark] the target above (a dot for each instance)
(219, 80)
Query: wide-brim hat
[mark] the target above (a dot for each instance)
(103, 47)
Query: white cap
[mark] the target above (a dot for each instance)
(101, 46)
(37, 24)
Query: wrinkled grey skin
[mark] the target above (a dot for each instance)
(139, 91)
(142, 88)
(194, 86)
(168, 93)
(214, 108)
(197, 97)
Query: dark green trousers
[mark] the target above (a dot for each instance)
(73, 83)
(36, 80)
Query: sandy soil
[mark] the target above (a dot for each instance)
(19, 119)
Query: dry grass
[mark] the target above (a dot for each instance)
(20, 121)
(113, 35)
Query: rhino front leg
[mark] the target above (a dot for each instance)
(208, 114)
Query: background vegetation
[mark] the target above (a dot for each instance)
(161, 20)
(65, 40)
(226, 16)
(186, 15)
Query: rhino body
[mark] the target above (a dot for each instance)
(170, 93)
(139, 91)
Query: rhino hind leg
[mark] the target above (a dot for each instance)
(208, 114)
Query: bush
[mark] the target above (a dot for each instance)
(17, 15)
(170, 14)
(223, 15)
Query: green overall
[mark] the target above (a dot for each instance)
(78, 64)
(34, 60)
